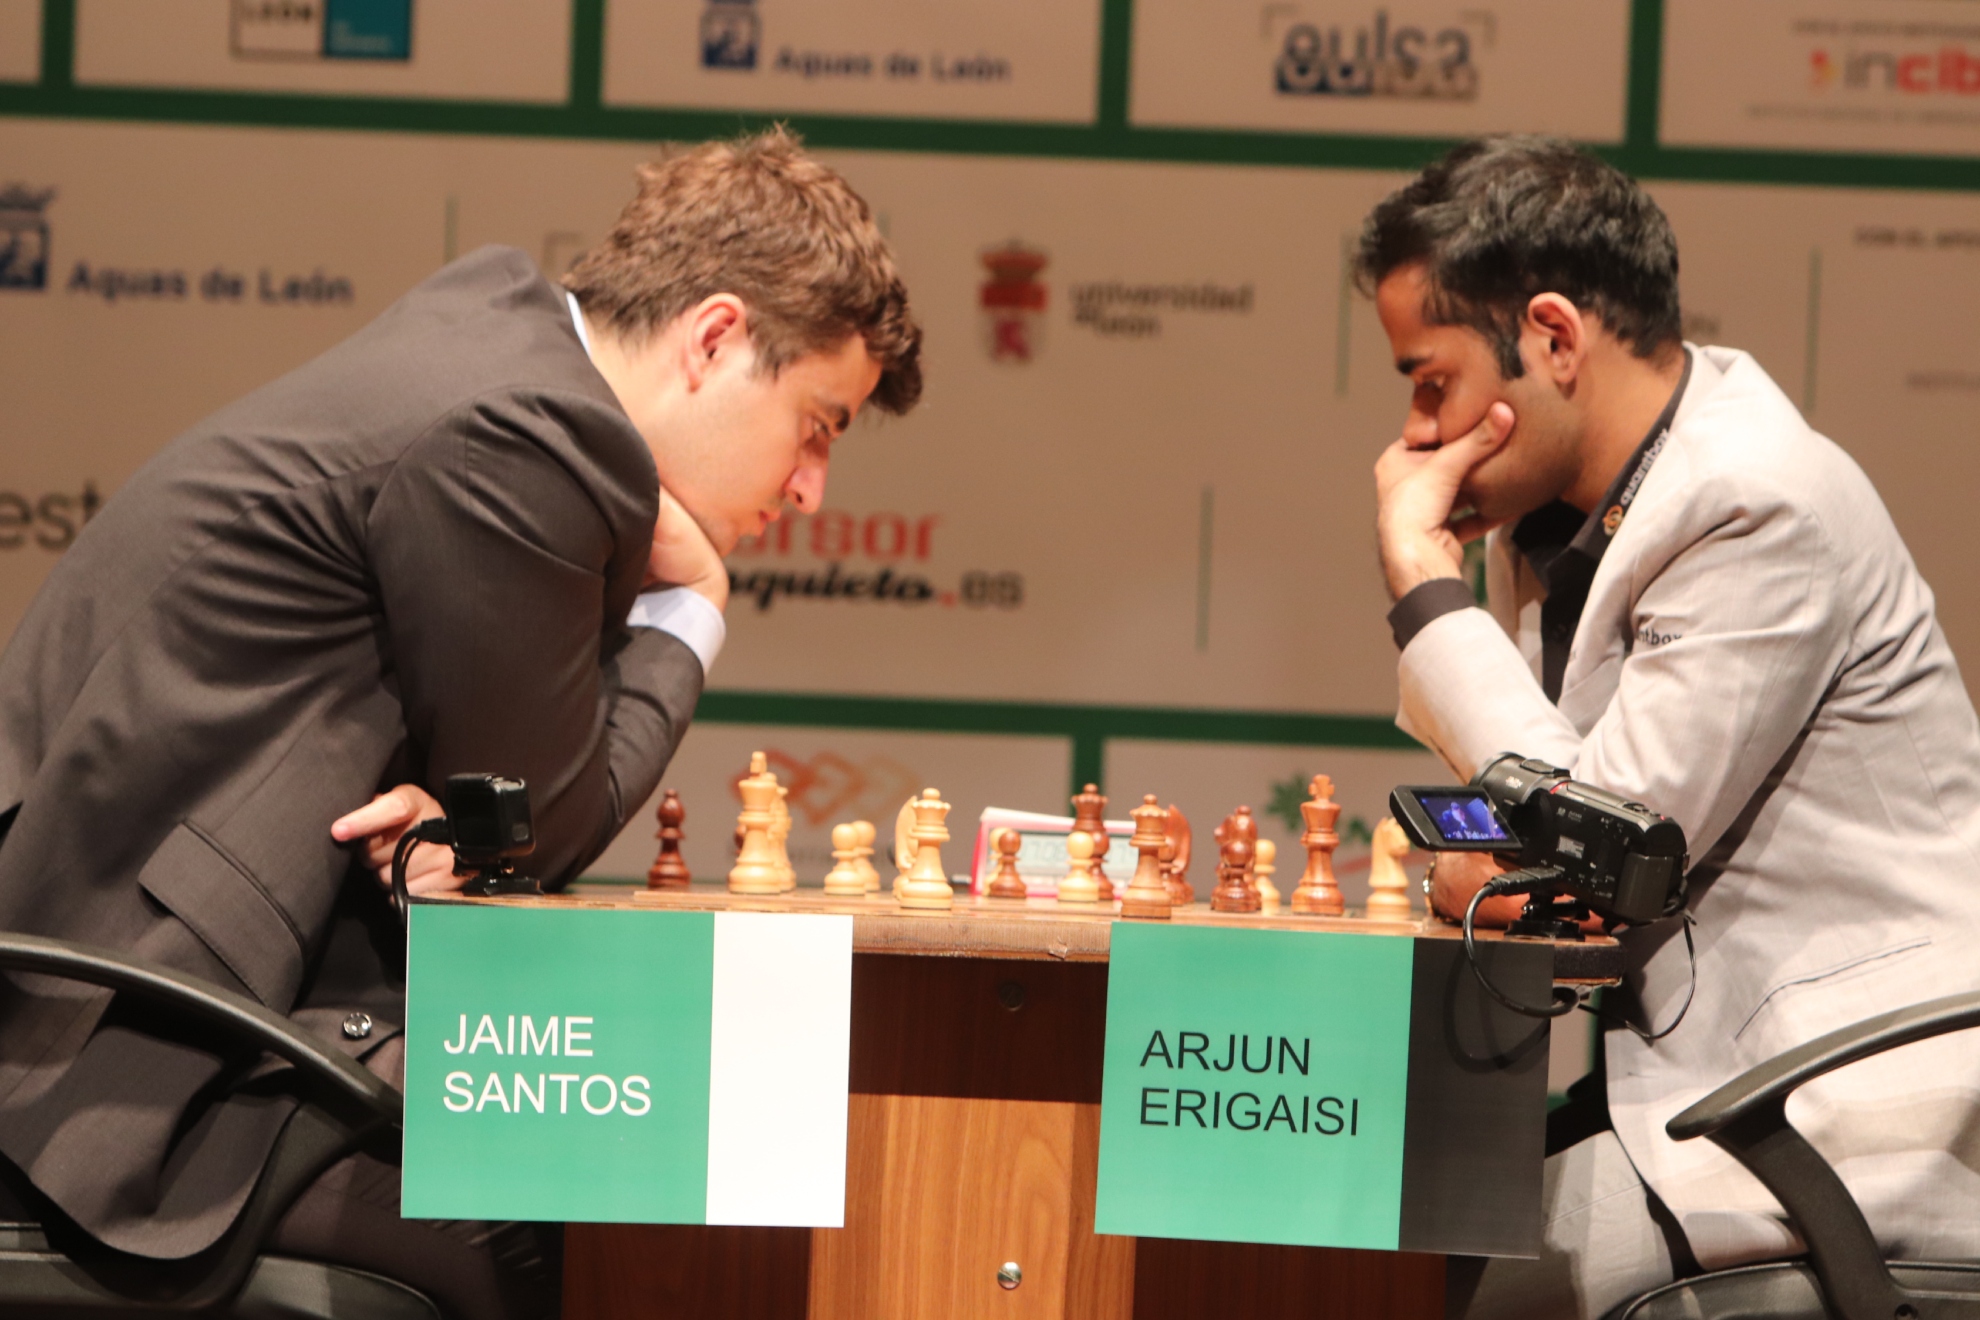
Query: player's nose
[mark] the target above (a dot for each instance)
(1420, 429)
(806, 488)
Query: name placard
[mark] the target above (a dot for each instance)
(1321, 1089)
(626, 1066)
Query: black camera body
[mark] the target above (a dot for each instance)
(489, 819)
(1618, 858)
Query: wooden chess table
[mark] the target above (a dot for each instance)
(974, 1131)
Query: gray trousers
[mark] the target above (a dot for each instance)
(1606, 1239)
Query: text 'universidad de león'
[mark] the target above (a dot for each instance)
(1215, 1108)
(597, 1094)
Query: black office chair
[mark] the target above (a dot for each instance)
(1844, 1276)
(50, 1268)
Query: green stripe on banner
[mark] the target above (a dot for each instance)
(1255, 1086)
(937, 715)
(947, 137)
(557, 1064)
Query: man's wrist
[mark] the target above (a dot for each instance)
(1424, 604)
(714, 589)
(686, 614)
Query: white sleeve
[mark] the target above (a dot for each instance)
(688, 615)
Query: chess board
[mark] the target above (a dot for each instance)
(1043, 928)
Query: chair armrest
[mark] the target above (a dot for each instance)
(333, 1075)
(1770, 1082)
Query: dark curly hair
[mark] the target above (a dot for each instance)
(1501, 219)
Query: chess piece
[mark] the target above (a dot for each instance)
(904, 844)
(926, 884)
(756, 871)
(867, 870)
(780, 836)
(1262, 869)
(1245, 826)
(1175, 857)
(845, 880)
(1006, 883)
(1319, 893)
(1233, 892)
(1148, 893)
(669, 870)
(1090, 815)
(1240, 824)
(1079, 885)
(1388, 883)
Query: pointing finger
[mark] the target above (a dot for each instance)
(382, 813)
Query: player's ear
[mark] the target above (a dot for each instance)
(718, 324)
(1562, 334)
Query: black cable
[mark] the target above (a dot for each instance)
(1565, 1001)
(1691, 992)
(426, 831)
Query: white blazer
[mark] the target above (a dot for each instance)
(1759, 659)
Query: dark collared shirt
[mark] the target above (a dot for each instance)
(1563, 546)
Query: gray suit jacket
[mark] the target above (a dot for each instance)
(409, 558)
(1759, 659)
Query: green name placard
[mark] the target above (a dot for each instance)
(1255, 1086)
(625, 1066)
(1300, 1087)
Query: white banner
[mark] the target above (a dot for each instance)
(1141, 475)
(1427, 68)
(497, 50)
(1831, 75)
(942, 59)
(20, 40)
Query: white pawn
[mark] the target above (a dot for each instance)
(844, 880)
(1079, 886)
(867, 870)
(1262, 869)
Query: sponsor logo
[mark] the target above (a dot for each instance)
(1121, 309)
(1879, 55)
(46, 522)
(875, 557)
(1013, 301)
(731, 37)
(264, 287)
(1383, 58)
(24, 237)
(730, 32)
(321, 29)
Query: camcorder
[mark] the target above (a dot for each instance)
(487, 826)
(1617, 858)
(1574, 850)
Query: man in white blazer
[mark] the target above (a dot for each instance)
(1700, 603)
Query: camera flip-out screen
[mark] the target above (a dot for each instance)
(1453, 819)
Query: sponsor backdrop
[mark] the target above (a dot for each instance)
(20, 40)
(1127, 537)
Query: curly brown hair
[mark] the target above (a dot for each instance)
(759, 218)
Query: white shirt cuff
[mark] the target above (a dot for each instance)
(688, 615)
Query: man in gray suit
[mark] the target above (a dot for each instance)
(1698, 602)
(483, 534)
